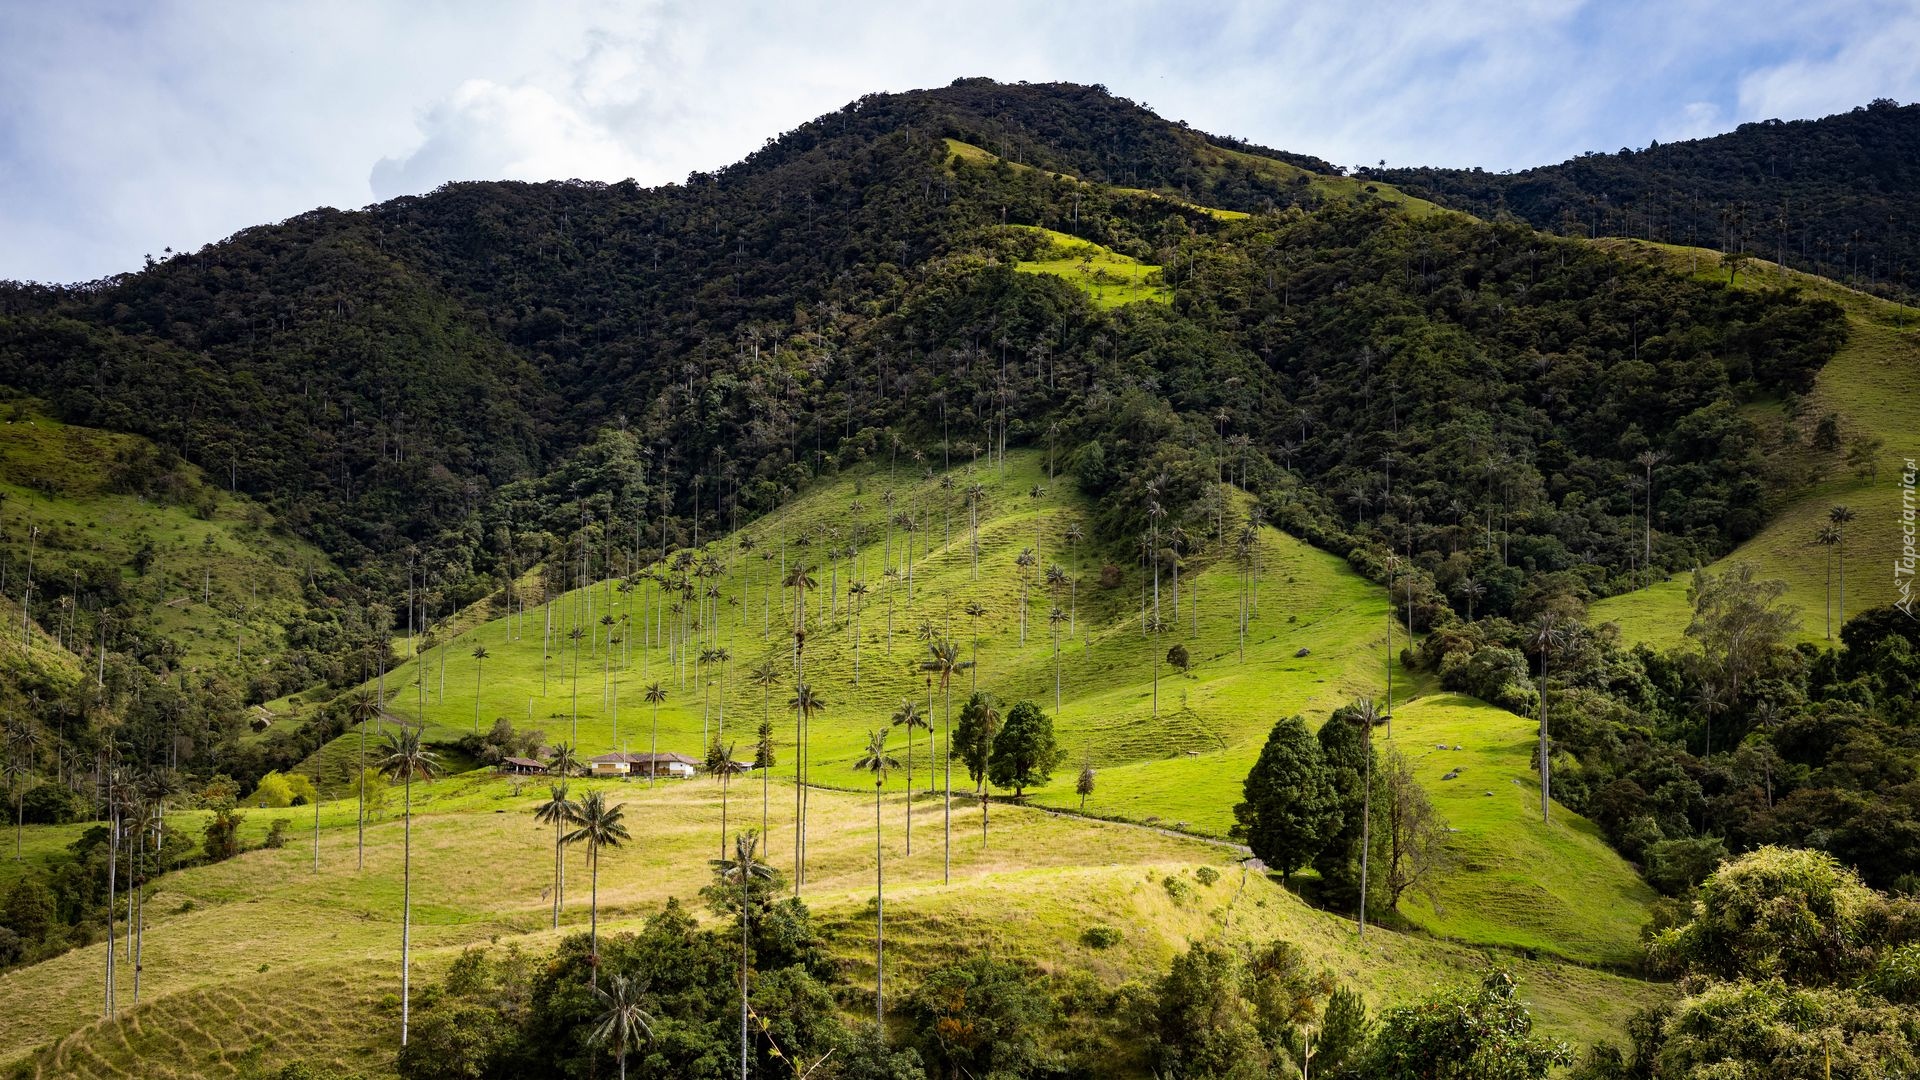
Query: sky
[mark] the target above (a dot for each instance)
(130, 128)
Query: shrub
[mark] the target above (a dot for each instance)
(1176, 887)
(50, 804)
(1674, 866)
(1206, 875)
(1099, 936)
(277, 832)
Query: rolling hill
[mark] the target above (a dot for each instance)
(1867, 391)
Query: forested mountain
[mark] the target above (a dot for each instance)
(1833, 196)
(442, 391)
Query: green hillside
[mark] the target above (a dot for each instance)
(261, 960)
(1112, 279)
(1315, 638)
(195, 577)
(1870, 387)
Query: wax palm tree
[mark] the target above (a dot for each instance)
(1367, 717)
(363, 708)
(598, 826)
(1074, 535)
(705, 657)
(765, 675)
(763, 760)
(974, 610)
(1839, 516)
(908, 716)
(1025, 562)
(1710, 701)
(407, 759)
(877, 761)
(804, 704)
(1054, 619)
(745, 869)
(725, 754)
(975, 492)
(1546, 635)
(856, 591)
(623, 1019)
(943, 661)
(575, 635)
(1827, 537)
(558, 811)
(480, 655)
(654, 695)
(724, 657)
(1470, 590)
(607, 623)
(910, 526)
(1648, 460)
(1154, 513)
(800, 579)
(21, 743)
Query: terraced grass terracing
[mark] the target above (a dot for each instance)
(261, 960)
(221, 582)
(1112, 279)
(1873, 386)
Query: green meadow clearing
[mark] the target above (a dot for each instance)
(262, 960)
(1112, 279)
(1873, 386)
(1170, 755)
(221, 582)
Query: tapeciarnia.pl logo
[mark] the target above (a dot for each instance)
(1903, 563)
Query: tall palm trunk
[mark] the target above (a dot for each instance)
(946, 858)
(559, 872)
(1546, 782)
(113, 862)
(1366, 821)
(593, 916)
(879, 908)
(406, 910)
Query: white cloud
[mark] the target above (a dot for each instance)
(133, 127)
(1883, 63)
(485, 131)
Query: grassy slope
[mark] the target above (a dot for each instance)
(222, 586)
(1219, 158)
(1182, 767)
(260, 960)
(1112, 279)
(1873, 384)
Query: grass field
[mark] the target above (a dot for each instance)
(1112, 279)
(261, 960)
(1315, 641)
(221, 583)
(1873, 386)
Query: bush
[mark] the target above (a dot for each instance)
(1674, 866)
(277, 832)
(1495, 674)
(277, 791)
(50, 804)
(984, 1017)
(1206, 875)
(1099, 936)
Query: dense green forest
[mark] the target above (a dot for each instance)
(1833, 196)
